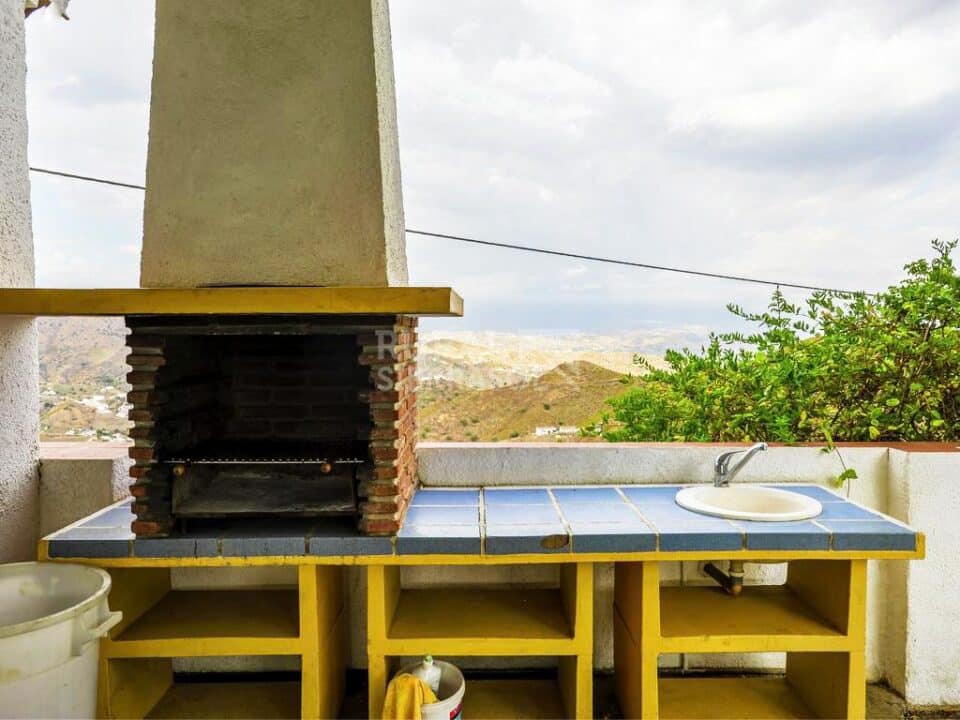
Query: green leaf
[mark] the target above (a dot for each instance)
(847, 474)
(835, 367)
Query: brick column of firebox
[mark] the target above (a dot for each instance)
(389, 483)
(150, 490)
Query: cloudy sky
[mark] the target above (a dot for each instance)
(815, 142)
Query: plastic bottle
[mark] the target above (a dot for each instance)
(429, 673)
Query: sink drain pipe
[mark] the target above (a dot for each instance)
(731, 581)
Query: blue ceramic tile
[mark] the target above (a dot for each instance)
(814, 491)
(264, 546)
(701, 538)
(112, 517)
(521, 514)
(367, 545)
(468, 498)
(644, 494)
(845, 511)
(870, 535)
(801, 535)
(587, 495)
(670, 516)
(89, 548)
(176, 547)
(329, 536)
(516, 496)
(439, 539)
(93, 533)
(442, 515)
(612, 537)
(91, 542)
(599, 513)
(281, 537)
(512, 539)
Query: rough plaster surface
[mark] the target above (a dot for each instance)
(72, 488)
(273, 154)
(19, 383)
(472, 464)
(928, 495)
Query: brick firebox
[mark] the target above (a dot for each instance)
(266, 416)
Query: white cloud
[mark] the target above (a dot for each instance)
(816, 142)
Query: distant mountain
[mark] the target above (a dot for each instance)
(489, 360)
(82, 379)
(570, 395)
(483, 385)
(75, 351)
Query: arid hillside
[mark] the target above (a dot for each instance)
(569, 396)
(82, 379)
(474, 385)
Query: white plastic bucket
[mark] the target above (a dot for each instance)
(52, 617)
(450, 694)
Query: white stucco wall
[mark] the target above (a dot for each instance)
(273, 154)
(19, 388)
(77, 479)
(925, 649)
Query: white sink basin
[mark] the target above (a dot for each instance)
(748, 502)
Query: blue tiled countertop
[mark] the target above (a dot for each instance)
(509, 521)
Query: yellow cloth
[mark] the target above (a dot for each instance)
(405, 695)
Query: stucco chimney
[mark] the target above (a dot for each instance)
(273, 146)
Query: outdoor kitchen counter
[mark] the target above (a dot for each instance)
(817, 617)
(630, 522)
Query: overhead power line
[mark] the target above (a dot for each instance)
(541, 251)
(88, 179)
(630, 263)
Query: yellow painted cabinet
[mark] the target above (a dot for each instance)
(488, 621)
(159, 624)
(817, 618)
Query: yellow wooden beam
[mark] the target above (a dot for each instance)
(637, 637)
(440, 301)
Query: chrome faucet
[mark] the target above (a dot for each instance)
(723, 473)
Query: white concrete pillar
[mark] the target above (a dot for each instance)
(922, 644)
(19, 382)
(273, 154)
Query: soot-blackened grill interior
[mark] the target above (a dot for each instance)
(265, 416)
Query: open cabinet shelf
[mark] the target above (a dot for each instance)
(242, 700)
(212, 622)
(735, 698)
(447, 621)
(488, 621)
(159, 624)
(817, 618)
(509, 699)
(771, 618)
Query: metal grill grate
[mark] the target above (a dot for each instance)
(259, 453)
(262, 461)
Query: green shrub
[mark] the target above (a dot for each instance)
(836, 368)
